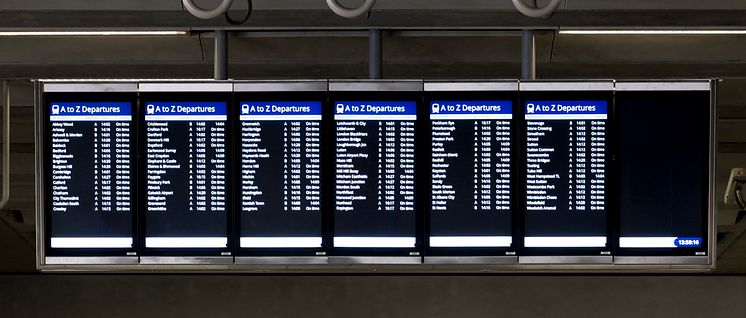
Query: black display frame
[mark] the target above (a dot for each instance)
(285, 96)
(573, 254)
(89, 96)
(672, 254)
(384, 96)
(180, 96)
(475, 95)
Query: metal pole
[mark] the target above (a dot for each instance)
(6, 146)
(221, 55)
(528, 55)
(375, 54)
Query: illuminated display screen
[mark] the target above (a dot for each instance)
(186, 169)
(280, 177)
(471, 182)
(374, 198)
(91, 174)
(566, 173)
(663, 170)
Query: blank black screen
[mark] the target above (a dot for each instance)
(663, 162)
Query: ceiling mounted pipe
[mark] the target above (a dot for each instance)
(536, 12)
(206, 14)
(349, 13)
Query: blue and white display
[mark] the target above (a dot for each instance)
(374, 200)
(280, 170)
(471, 110)
(308, 110)
(565, 167)
(471, 172)
(368, 110)
(90, 111)
(566, 110)
(185, 111)
(92, 173)
(186, 174)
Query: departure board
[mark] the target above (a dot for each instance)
(302, 174)
(566, 173)
(664, 149)
(471, 175)
(91, 174)
(374, 186)
(185, 171)
(280, 152)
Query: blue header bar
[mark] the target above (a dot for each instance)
(562, 109)
(281, 108)
(185, 108)
(504, 107)
(188, 111)
(363, 108)
(90, 109)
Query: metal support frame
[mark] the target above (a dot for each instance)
(375, 54)
(528, 55)
(336, 265)
(221, 55)
(6, 145)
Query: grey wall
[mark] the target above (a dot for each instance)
(371, 296)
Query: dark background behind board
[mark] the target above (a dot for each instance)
(558, 56)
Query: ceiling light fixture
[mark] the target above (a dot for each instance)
(650, 32)
(93, 33)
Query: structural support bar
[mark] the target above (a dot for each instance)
(528, 55)
(221, 55)
(6, 145)
(375, 54)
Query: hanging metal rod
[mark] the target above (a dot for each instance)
(6, 145)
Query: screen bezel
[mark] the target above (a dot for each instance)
(673, 255)
(176, 96)
(87, 96)
(243, 96)
(602, 253)
(382, 95)
(473, 95)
